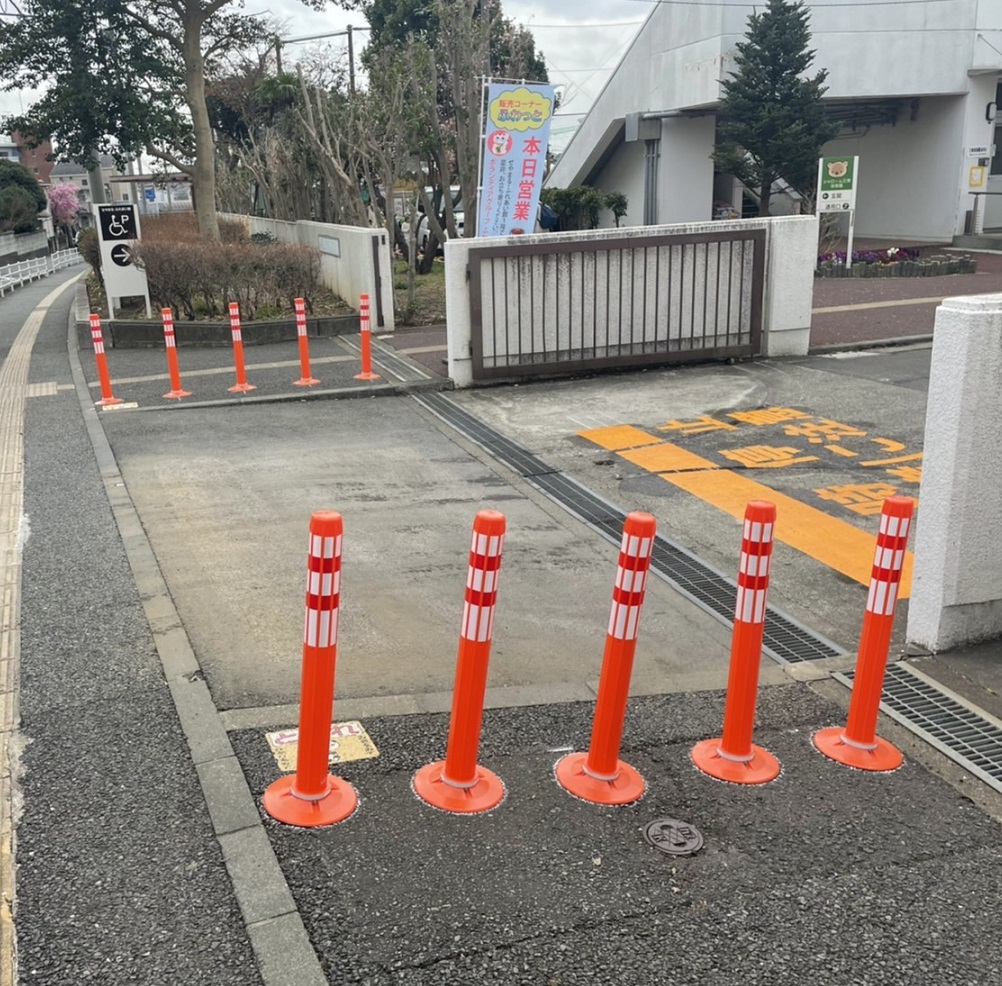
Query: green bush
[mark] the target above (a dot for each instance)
(90, 250)
(199, 277)
(578, 207)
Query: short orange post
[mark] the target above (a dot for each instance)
(366, 333)
(458, 783)
(599, 775)
(107, 397)
(305, 379)
(170, 341)
(858, 744)
(733, 757)
(313, 796)
(241, 386)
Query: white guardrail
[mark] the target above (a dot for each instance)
(14, 275)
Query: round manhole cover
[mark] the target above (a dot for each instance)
(672, 837)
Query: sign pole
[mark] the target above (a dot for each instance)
(848, 245)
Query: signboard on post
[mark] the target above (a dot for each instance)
(516, 135)
(118, 229)
(837, 181)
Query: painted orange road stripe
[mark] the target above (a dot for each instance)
(831, 541)
(666, 458)
(619, 437)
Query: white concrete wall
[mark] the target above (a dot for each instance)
(930, 150)
(791, 249)
(625, 173)
(957, 586)
(681, 53)
(346, 264)
(685, 180)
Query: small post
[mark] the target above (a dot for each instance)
(107, 397)
(241, 386)
(313, 796)
(305, 378)
(733, 757)
(599, 775)
(176, 393)
(858, 744)
(366, 336)
(458, 783)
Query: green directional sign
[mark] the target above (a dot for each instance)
(837, 183)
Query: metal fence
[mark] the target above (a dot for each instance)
(571, 306)
(14, 275)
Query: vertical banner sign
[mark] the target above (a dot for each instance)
(117, 230)
(516, 136)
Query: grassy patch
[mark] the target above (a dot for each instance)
(428, 306)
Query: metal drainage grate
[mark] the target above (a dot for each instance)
(785, 640)
(964, 734)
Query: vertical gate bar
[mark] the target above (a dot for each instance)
(692, 301)
(657, 292)
(706, 290)
(646, 255)
(758, 277)
(608, 294)
(730, 281)
(507, 319)
(716, 297)
(741, 293)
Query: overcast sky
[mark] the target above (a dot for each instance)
(582, 41)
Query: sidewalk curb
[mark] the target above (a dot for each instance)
(264, 898)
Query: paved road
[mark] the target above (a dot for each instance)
(159, 623)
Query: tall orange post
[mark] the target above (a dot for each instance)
(305, 378)
(458, 783)
(599, 775)
(313, 796)
(366, 336)
(176, 393)
(241, 386)
(858, 744)
(107, 397)
(733, 756)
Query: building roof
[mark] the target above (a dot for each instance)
(67, 168)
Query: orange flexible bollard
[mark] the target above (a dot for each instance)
(241, 386)
(733, 757)
(313, 796)
(171, 342)
(858, 744)
(107, 397)
(458, 783)
(366, 334)
(599, 775)
(305, 379)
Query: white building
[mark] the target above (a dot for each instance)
(915, 85)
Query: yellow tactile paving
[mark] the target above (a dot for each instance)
(619, 437)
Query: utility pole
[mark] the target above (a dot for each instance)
(316, 37)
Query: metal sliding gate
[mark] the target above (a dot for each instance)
(570, 306)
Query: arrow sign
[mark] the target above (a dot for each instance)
(120, 255)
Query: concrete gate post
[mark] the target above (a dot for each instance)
(957, 587)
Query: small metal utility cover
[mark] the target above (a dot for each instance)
(674, 838)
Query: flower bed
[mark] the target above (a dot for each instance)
(893, 262)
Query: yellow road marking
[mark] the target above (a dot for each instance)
(826, 539)
(666, 458)
(619, 437)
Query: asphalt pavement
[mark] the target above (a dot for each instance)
(160, 608)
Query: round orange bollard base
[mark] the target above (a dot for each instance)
(178, 394)
(305, 382)
(486, 793)
(831, 742)
(108, 401)
(762, 768)
(366, 376)
(241, 388)
(336, 805)
(627, 787)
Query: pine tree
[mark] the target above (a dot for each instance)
(772, 124)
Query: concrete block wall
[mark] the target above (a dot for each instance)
(957, 586)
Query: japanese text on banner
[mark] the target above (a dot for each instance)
(514, 159)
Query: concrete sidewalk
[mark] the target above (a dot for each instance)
(161, 642)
